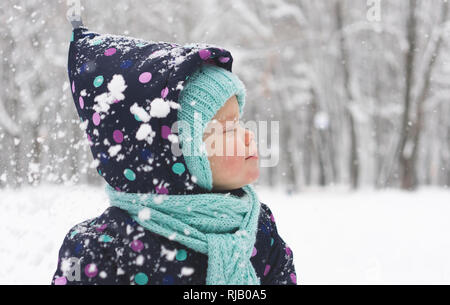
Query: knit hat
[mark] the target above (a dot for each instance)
(205, 92)
(126, 92)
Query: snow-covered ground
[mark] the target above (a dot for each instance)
(337, 237)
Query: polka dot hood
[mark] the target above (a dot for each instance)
(126, 94)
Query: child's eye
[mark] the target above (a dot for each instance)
(231, 127)
(229, 130)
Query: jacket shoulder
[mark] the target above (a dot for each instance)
(278, 261)
(89, 252)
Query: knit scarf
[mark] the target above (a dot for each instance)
(222, 226)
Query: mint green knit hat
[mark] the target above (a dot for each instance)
(204, 93)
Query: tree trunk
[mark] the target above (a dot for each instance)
(354, 159)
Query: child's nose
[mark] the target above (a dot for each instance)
(249, 136)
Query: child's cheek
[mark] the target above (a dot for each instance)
(231, 164)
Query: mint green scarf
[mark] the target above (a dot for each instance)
(222, 226)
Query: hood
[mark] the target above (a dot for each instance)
(126, 92)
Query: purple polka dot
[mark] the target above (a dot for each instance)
(165, 131)
(204, 54)
(117, 189)
(96, 118)
(145, 77)
(266, 270)
(162, 190)
(81, 102)
(137, 245)
(164, 92)
(90, 270)
(110, 51)
(101, 228)
(223, 59)
(254, 252)
(288, 251)
(61, 280)
(118, 136)
(293, 278)
(73, 87)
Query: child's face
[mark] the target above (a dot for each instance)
(231, 149)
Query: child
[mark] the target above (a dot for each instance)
(180, 213)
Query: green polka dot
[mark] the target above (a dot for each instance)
(75, 232)
(271, 241)
(96, 42)
(129, 174)
(92, 223)
(137, 118)
(141, 278)
(181, 255)
(140, 45)
(73, 37)
(98, 81)
(178, 168)
(105, 238)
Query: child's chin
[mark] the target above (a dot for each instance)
(253, 174)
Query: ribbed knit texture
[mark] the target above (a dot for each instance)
(222, 226)
(205, 92)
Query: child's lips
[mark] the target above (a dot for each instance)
(252, 157)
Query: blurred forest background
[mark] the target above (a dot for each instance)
(361, 88)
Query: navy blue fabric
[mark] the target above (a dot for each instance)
(113, 248)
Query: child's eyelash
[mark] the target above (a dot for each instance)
(235, 125)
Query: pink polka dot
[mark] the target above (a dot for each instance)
(90, 140)
(288, 251)
(73, 87)
(145, 77)
(204, 54)
(116, 101)
(101, 228)
(110, 51)
(165, 131)
(293, 278)
(272, 218)
(61, 280)
(90, 270)
(137, 245)
(224, 59)
(164, 92)
(162, 190)
(266, 270)
(81, 102)
(117, 189)
(118, 136)
(96, 118)
(254, 252)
